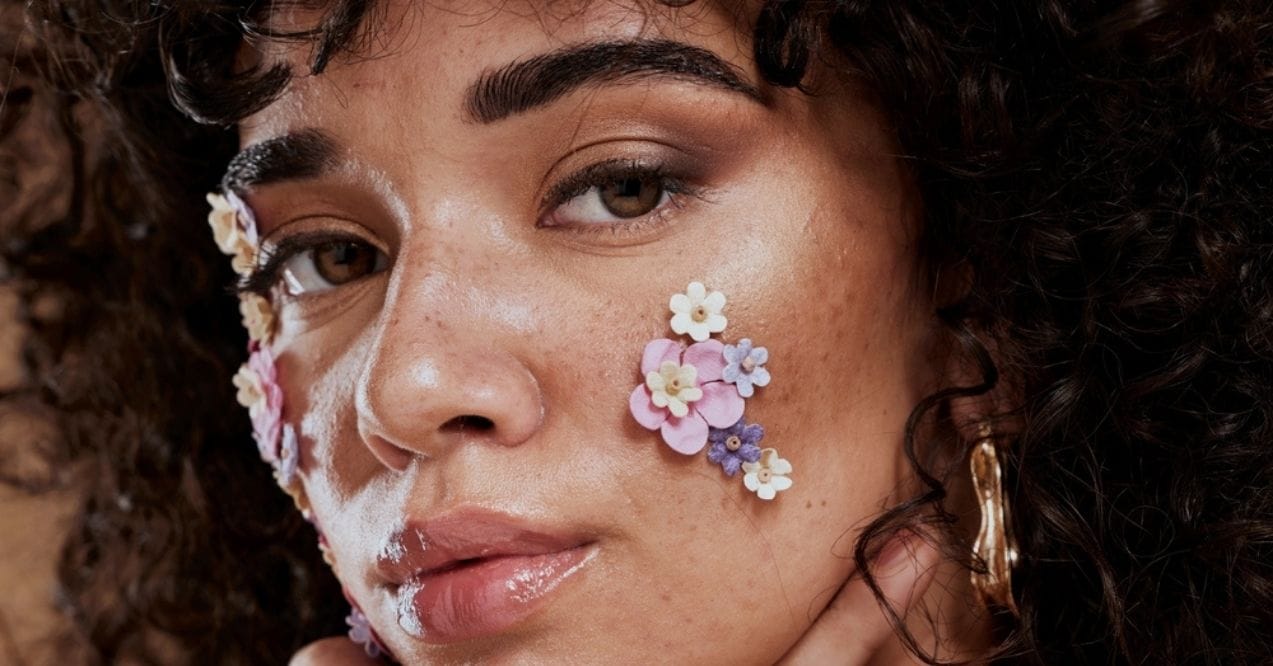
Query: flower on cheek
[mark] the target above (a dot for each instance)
(234, 230)
(744, 366)
(698, 395)
(257, 382)
(258, 317)
(735, 445)
(361, 632)
(697, 313)
(674, 386)
(289, 457)
(767, 476)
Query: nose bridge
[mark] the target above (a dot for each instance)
(444, 368)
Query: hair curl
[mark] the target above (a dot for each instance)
(1102, 170)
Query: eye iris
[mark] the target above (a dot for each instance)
(631, 197)
(342, 261)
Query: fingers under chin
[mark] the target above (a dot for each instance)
(332, 652)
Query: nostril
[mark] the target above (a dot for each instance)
(468, 422)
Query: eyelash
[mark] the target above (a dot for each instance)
(267, 275)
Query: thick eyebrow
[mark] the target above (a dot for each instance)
(297, 155)
(523, 85)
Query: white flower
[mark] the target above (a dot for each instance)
(234, 235)
(768, 476)
(697, 312)
(258, 317)
(674, 386)
(289, 460)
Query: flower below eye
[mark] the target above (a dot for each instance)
(767, 476)
(332, 264)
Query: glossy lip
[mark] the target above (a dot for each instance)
(470, 574)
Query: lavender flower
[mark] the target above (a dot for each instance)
(735, 445)
(745, 367)
(360, 632)
(289, 457)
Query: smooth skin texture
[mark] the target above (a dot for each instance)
(499, 303)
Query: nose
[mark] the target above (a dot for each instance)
(431, 383)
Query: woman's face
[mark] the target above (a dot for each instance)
(489, 213)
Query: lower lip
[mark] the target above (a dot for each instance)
(485, 598)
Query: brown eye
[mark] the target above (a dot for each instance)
(340, 262)
(631, 197)
(330, 264)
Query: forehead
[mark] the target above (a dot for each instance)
(427, 54)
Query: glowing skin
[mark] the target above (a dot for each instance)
(487, 367)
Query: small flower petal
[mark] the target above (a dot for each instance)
(708, 358)
(766, 492)
(721, 405)
(699, 331)
(715, 301)
(687, 435)
(680, 303)
(696, 292)
(760, 377)
(681, 323)
(657, 352)
(780, 482)
(749, 479)
(649, 415)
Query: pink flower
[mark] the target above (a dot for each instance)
(683, 394)
(259, 391)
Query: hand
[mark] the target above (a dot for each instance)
(853, 629)
(333, 652)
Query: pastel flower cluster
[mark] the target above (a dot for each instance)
(235, 233)
(696, 395)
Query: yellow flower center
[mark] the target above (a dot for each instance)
(748, 364)
(733, 443)
(699, 313)
(764, 476)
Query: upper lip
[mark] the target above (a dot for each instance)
(421, 548)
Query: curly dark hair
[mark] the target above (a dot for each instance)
(1102, 171)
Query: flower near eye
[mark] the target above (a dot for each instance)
(745, 367)
(697, 313)
(688, 382)
(767, 476)
(257, 382)
(258, 317)
(735, 445)
(234, 230)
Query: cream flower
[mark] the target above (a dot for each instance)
(674, 386)
(697, 312)
(768, 476)
(233, 230)
(258, 317)
(251, 390)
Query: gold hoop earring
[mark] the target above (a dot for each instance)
(994, 546)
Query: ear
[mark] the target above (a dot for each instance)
(984, 391)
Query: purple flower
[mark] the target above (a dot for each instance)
(744, 367)
(735, 445)
(360, 632)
